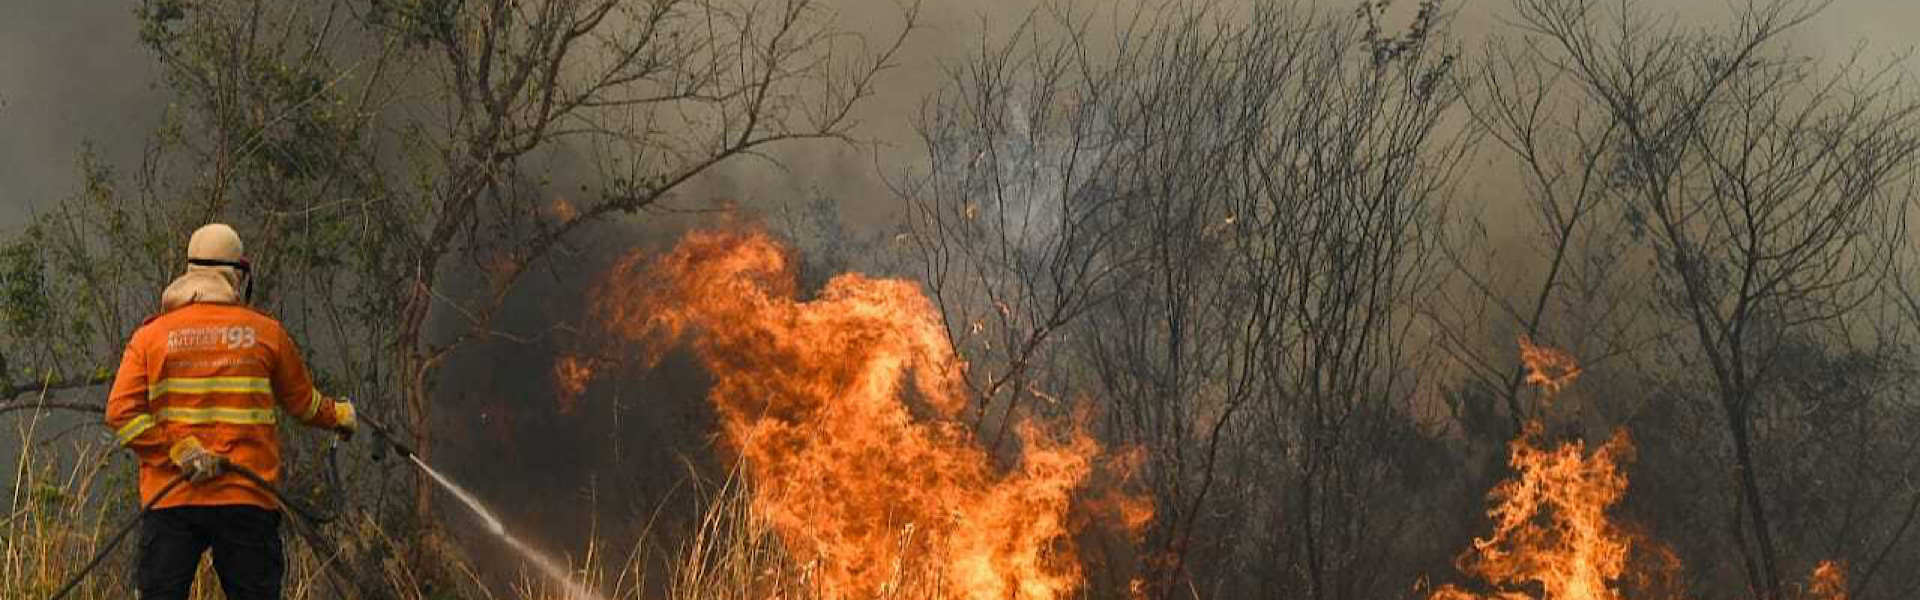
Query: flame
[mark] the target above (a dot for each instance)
(1547, 368)
(846, 412)
(1551, 527)
(564, 210)
(1551, 530)
(1550, 521)
(1829, 582)
(570, 375)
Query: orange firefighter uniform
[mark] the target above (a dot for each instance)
(201, 387)
(214, 370)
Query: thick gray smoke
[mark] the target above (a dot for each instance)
(74, 72)
(70, 73)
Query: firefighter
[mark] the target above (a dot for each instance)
(197, 391)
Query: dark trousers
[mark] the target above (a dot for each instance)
(246, 551)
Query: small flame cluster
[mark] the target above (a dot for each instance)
(1548, 369)
(1829, 582)
(846, 413)
(563, 210)
(571, 374)
(1551, 529)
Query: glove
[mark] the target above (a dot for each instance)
(195, 461)
(343, 415)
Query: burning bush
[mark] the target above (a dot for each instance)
(1553, 539)
(846, 413)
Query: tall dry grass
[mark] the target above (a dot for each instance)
(64, 505)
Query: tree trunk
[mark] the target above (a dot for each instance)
(1310, 538)
(1750, 495)
(414, 390)
(418, 417)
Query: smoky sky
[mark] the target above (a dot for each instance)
(74, 73)
(70, 73)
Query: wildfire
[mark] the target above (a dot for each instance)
(564, 210)
(1547, 368)
(1550, 524)
(1551, 530)
(1829, 582)
(570, 376)
(846, 413)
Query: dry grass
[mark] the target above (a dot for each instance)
(51, 528)
(63, 509)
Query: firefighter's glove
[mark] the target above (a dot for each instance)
(343, 415)
(195, 461)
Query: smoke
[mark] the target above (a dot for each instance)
(74, 72)
(70, 73)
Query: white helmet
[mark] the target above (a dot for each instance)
(216, 246)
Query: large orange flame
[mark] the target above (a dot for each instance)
(846, 412)
(1550, 524)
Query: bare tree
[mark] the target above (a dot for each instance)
(1350, 184)
(1212, 220)
(1584, 295)
(1763, 184)
(1016, 230)
(659, 91)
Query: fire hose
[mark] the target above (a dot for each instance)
(305, 521)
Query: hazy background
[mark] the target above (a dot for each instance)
(70, 72)
(75, 72)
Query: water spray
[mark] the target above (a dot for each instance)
(547, 566)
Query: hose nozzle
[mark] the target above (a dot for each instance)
(385, 437)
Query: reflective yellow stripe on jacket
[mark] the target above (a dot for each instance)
(236, 416)
(214, 385)
(210, 385)
(133, 429)
(313, 407)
